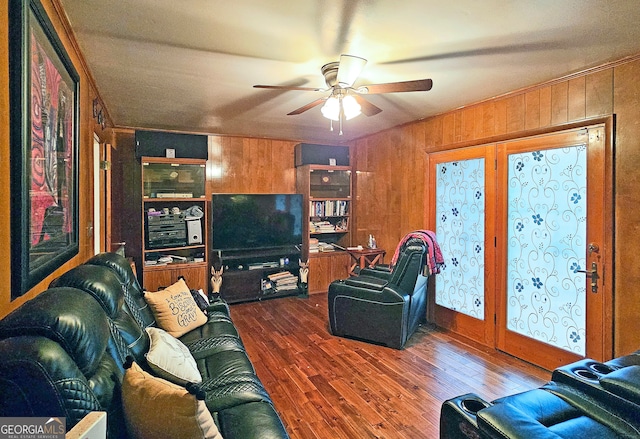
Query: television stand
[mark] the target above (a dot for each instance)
(256, 274)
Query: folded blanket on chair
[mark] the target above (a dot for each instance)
(435, 261)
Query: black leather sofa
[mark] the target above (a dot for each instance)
(585, 399)
(62, 354)
(382, 306)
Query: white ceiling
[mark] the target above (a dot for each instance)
(189, 65)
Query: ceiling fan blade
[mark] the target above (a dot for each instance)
(285, 87)
(397, 87)
(367, 108)
(309, 106)
(349, 69)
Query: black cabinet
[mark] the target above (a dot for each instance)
(259, 273)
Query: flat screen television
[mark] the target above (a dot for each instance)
(249, 221)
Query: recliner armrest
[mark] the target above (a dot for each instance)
(218, 305)
(381, 273)
(368, 282)
(384, 268)
(624, 382)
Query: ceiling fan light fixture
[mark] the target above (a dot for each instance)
(351, 107)
(331, 108)
(337, 105)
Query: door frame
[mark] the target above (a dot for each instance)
(101, 195)
(98, 190)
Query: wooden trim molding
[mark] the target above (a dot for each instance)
(525, 133)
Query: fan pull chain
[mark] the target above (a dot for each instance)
(340, 115)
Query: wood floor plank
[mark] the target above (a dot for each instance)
(330, 387)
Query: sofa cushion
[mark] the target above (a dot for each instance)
(133, 295)
(175, 310)
(70, 317)
(99, 282)
(155, 408)
(170, 359)
(103, 284)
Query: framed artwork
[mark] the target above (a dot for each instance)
(43, 93)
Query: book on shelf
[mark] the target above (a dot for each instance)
(325, 247)
(341, 225)
(280, 275)
(288, 281)
(328, 208)
(283, 281)
(290, 287)
(313, 245)
(316, 246)
(321, 227)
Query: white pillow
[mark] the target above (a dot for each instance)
(170, 359)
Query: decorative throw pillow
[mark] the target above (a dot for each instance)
(175, 310)
(170, 359)
(155, 408)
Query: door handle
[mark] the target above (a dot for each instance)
(593, 275)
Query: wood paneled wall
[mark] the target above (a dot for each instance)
(391, 173)
(390, 186)
(88, 127)
(248, 165)
(626, 94)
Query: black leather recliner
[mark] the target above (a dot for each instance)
(585, 399)
(383, 307)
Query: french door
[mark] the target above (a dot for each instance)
(546, 249)
(462, 197)
(554, 255)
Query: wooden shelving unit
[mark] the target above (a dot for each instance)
(327, 207)
(174, 218)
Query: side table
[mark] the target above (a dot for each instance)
(365, 258)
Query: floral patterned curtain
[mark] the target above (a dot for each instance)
(546, 241)
(460, 210)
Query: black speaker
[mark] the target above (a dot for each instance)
(311, 154)
(185, 146)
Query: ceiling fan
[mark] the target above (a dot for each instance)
(344, 99)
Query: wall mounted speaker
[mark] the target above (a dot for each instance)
(312, 154)
(184, 146)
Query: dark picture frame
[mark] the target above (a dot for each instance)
(44, 126)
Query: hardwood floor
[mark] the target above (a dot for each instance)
(329, 387)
